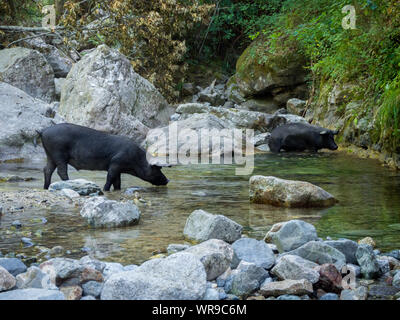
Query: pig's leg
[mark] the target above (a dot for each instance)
(112, 174)
(62, 170)
(48, 171)
(117, 182)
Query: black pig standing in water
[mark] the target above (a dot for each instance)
(89, 149)
(300, 137)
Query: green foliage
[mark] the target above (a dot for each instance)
(232, 26)
(388, 116)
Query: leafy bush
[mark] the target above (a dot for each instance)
(150, 33)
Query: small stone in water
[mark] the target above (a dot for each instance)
(27, 241)
(131, 191)
(17, 224)
(199, 193)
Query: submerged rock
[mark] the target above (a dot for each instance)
(288, 193)
(100, 212)
(81, 186)
(180, 276)
(290, 235)
(202, 225)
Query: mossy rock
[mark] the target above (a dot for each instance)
(259, 69)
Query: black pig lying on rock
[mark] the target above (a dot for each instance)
(300, 137)
(89, 149)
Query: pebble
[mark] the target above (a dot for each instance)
(27, 242)
(17, 224)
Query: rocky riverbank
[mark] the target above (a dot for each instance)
(290, 263)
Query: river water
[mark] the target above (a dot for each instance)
(368, 194)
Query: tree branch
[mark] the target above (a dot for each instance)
(28, 29)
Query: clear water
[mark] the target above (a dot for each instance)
(369, 196)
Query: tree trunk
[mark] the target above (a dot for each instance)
(11, 5)
(59, 6)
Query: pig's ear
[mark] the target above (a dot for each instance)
(323, 132)
(335, 132)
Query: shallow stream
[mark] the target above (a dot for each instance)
(368, 194)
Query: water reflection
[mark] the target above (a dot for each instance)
(369, 196)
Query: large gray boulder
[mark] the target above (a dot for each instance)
(202, 226)
(367, 260)
(347, 247)
(296, 106)
(21, 116)
(13, 265)
(247, 278)
(61, 270)
(260, 72)
(254, 251)
(290, 235)
(233, 118)
(59, 61)
(32, 294)
(7, 281)
(34, 277)
(29, 71)
(292, 267)
(103, 92)
(199, 133)
(239, 118)
(101, 212)
(216, 256)
(288, 193)
(180, 276)
(321, 253)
